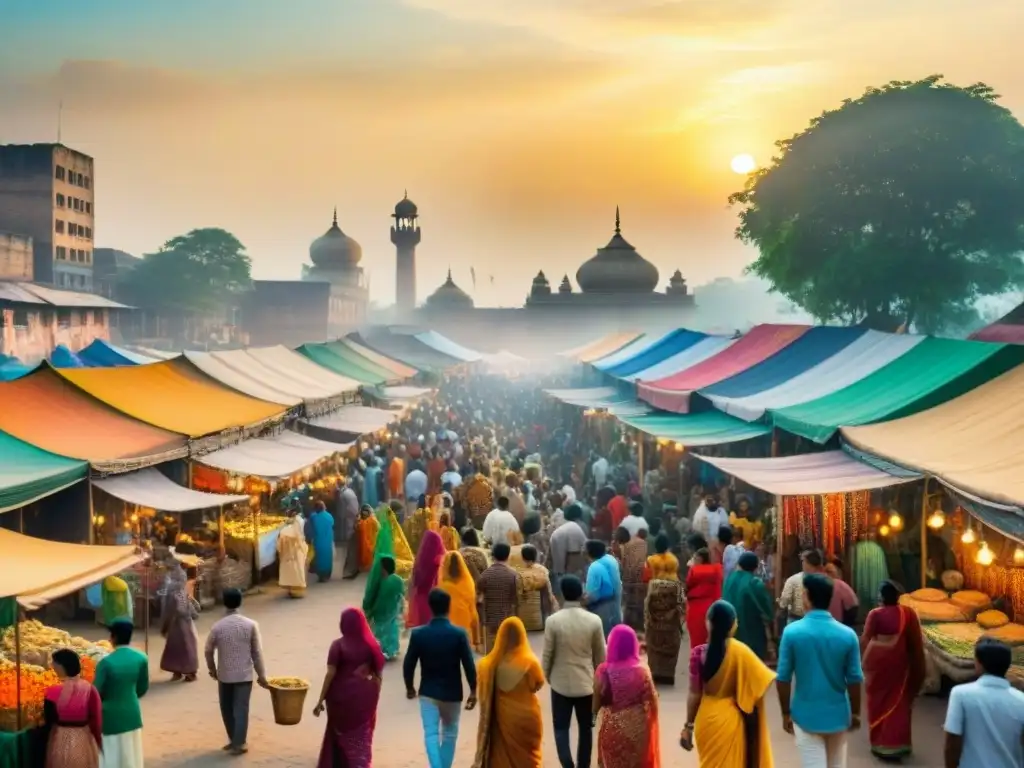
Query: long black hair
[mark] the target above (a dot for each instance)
(722, 617)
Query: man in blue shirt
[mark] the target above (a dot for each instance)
(824, 655)
(604, 586)
(985, 719)
(443, 653)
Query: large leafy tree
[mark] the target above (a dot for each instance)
(900, 207)
(193, 273)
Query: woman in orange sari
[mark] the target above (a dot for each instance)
(367, 529)
(456, 580)
(894, 669)
(508, 678)
(725, 709)
(625, 697)
(450, 536)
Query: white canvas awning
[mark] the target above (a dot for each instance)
(809, 474)
(273, 457)
(303, 371)
(357, 420)
(235, 369)
(150, 488)
(404, 393)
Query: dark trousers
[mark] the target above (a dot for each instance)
(234, 709)
(562, 708)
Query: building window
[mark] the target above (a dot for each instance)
(87, 182)
(87, 256)
(64, 318)
(76, 203)
(60, 226)
(88, 207)
(60, 200)
(62, 252)
(88, 233)
(79, 180)
(59, 173)
(74, 254)
(21, 318)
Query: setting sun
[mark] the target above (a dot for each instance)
(743, 164)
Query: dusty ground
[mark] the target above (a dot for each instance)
(182, 721)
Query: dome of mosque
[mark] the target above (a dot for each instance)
(406, 208)
(334, 249)
(450, 295)
(617, 268)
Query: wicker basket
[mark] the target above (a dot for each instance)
(287, 703)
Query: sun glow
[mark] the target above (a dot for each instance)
(743, 164)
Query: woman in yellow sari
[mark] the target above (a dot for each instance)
(457, 581)
(508, 678)
(450, 536)
(403, 554)
(663, 565)
(725, 709)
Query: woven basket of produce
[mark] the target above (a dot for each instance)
(928, 595)
(931, 612)
(992, 619)
(288, 696)
(1012, 634)
(971, 601)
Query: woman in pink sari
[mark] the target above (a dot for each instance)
(350, 694)
(425, 572)
(625, 697)
(73, 714)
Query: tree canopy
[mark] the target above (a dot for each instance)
(192, 273)
(903, 206)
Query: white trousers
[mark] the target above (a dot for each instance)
(820, 750)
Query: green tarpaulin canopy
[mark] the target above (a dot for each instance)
(934, 371)
(697, 429)
(343, 361)
(28, 473)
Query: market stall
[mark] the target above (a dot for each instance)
(345, 426)
(150, 510)
(36, 572)
(279, 472)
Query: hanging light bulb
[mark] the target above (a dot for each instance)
(1018, 555)
(895, 522)
(968, 537)
(679, 447)
(936, 520)
(883, 530)
(985, 555)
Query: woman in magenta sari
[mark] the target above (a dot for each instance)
(350, 694)
(893, 659)
(425, 572)
(625, 697)
(73, 714)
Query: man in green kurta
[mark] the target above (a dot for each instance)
(122, 678)
(749, 596)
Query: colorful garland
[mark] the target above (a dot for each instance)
(800, 517)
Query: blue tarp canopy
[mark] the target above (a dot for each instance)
(62, 357)
(671, 344)
(103, 354)
(813, 347)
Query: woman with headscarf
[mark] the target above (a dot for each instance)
(73, 714)
(725, 714)
(425, 572)
(367, 530)
(399, 545)
(373, 483)
(419, 522)
(456, 580)
(181, 651)
(350, 693)
(510, 732)
(384, 595)
(322, 533)
(291, 554)
(703, 587)
(625, 698)
(748, 595)
(449, 535)
(894, 670)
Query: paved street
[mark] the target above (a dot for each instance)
(182, 721)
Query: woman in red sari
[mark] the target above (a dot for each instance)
(703, 588)
(625, 698)
(425, 572)
(894, 669)
(350, 694)
(73, 714)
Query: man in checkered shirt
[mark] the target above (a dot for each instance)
(235, 640)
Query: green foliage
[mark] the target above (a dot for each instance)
(193, 273)
(904, 205)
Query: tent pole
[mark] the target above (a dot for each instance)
(924, 532)
(21, 520)
(779, 534)
(92, 515)
(640, 457)
(17, 662)
(220, 533)
(147, 575)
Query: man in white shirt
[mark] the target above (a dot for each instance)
(499, 523)
(573, 648)
(634, 522)
(985, 719)
(709, 517)
(599, 470)
(415, 486)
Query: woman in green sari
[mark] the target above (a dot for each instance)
(385, 590)
(749, 596)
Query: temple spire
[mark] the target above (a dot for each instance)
(335, 220)
(618, 229)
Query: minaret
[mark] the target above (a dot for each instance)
(405, 234)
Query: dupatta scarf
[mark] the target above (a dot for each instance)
(425, 572)
(457, 581)
(629, 734)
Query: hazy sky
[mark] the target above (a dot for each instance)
(516, 126)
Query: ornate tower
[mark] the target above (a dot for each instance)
(405, 234)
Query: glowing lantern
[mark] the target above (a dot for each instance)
(883, 530)
(1018, 556)
(968, 536)
(895, 522)
(985, 555)
(679, 447)
(936, 520)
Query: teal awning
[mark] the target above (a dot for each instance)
(28, 473)
(697, 429)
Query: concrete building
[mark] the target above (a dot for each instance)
(405, 235)
(289, 312)
(15, 257)
(47, 193)
(335, 260)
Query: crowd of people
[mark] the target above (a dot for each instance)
(490, 513)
